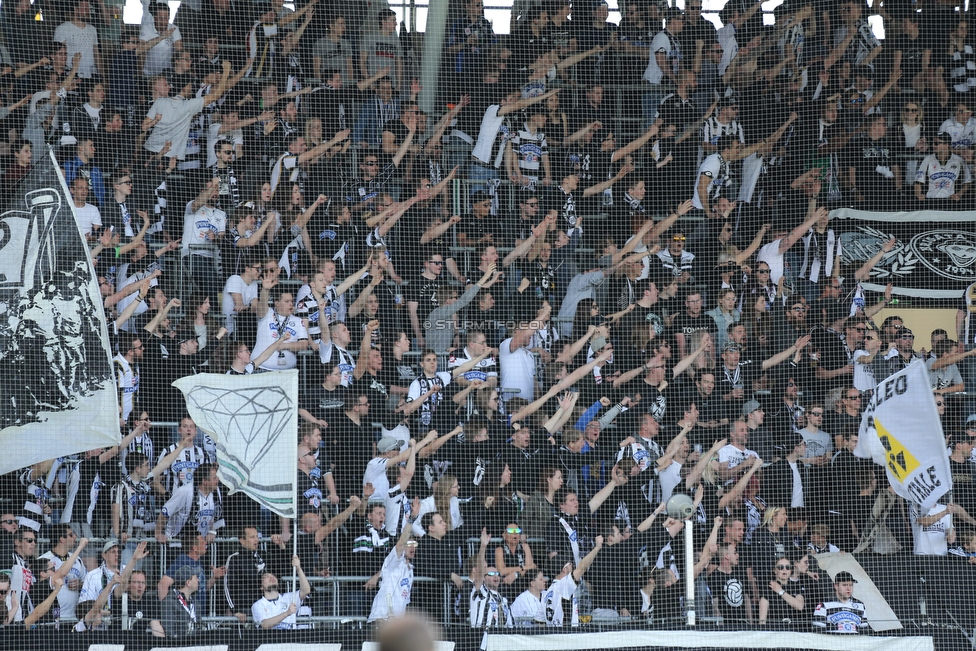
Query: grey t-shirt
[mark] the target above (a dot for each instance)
(382, 51)
(177, 115)
(334, 55)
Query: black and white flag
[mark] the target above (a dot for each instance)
(57, 391)
(253, 420)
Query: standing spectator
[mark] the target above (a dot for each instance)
(199, 503)
(160, 38)
(80, 36)
(274, 322)
(396, 578)
(664, 62)
(381, 49)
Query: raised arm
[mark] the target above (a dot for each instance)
(864, 272)
(813, 216)
(364, 348)
(696, 473)
(637, 143)
(784, 355)
(740, 485)
(525, 103)
(587, 560)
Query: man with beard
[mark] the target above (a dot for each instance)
(278, 611)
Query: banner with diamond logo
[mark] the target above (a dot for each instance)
(253, 419)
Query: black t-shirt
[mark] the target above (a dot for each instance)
(730, 591)
(779, 610)
(688, 325)
(424, 292)
(351, 447)
(324, 405)
(309, 492)
(475, 229)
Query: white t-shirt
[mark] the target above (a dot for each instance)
(94, 584)
(771, 256)
(734, 456)
(177, 117)
(88, 218)
(863, 373)
(393, 596)
(669, 478)
(517, 370)
(376, 475)
(269, 329)
(427, 506)
(931, 540)
(197, 224)
(160, 57)
(561, 590)
(525, 606)
(491, 124)
(263, 609)
(236, 285)
(711, 168)
(67, 598)
(661, 43)
(79, 40)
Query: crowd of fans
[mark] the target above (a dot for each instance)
(618, 315)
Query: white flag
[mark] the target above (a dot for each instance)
(57, 390)
(901, 430)
(253, 419)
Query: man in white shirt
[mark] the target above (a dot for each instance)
(663, 64)
(486, 370)
(517, 363)
(731, 456)
(80, 36)
(159, 37)
(203, 226)
(273, 323)
(61, 554)
(241, 294)
(89, 217)
(279, 611)
(546, 606)
(773, 253)
(199, 501)
(396, 578)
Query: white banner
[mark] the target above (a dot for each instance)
(901, 430)
(57, 391)
(253, 419)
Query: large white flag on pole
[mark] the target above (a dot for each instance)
(57, 390)
(253, 419)
(901, 430)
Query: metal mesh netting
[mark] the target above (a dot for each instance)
(646, 321)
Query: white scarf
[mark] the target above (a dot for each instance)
(573, 540)
(814, 265)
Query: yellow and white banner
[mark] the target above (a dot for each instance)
(901, 430)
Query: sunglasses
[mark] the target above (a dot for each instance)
(762, 271)
(853, 397)
(861, 329)
(493, 573)
(370, 163)
(679, 238)
(513, 530)
(907, 337)
(8, 521)
(436, 261)
(30, 541)
(784, 567)
(799, 308)
(816, 413)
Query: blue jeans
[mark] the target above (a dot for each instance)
(480, 173)
(650, 101)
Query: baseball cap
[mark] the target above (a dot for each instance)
(598, 342)
(674, 12)
(971, 419)
(731, 346)
(750, 406)
(844, 577)
(388, 443)
(183, 575)
(109, 544)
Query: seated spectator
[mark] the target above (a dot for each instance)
(783, 599)
(276, 610)
(842, 613)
